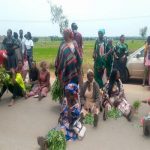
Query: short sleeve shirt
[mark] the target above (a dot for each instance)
(29, 44)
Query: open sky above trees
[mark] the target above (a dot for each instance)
(117, 17)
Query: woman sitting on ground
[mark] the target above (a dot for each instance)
(44, 80)
(20, 69)
(70, 112)
(116, 97)
(90, 96)
(15, 84)
(33, 77)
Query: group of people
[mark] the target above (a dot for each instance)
(79, 98)
(93, 95)
(17, 59)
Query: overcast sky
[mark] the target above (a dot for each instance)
(116, 16)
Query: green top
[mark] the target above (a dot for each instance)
(121, 49)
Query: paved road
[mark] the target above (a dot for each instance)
(22, 123)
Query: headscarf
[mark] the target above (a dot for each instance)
(90, 71)
(101, 31)
(72, 88)
(69, 32)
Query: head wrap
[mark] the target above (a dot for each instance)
(69, 32)
(90, 71)
(101, 31)
(72, 88)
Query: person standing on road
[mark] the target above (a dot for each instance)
(10, 45)
(109, 57)
(99, 57)
(22, 40)
(68, 61)
(18, 52)
(29, 49)
(78, 38)
(121, 53)
(147, 59)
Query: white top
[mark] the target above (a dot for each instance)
(29, 44)
(22, 44)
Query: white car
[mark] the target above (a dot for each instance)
(135, 65)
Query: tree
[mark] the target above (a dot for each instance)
(143, 32)
(58, 17)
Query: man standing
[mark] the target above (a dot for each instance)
(22, 40)
(77, 38)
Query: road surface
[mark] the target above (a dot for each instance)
(21, 124)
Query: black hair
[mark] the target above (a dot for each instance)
(122, 36)
(112, 80)
(9, 31)
(15, 35)
(74, 26)
(29, 35)
(148, 40)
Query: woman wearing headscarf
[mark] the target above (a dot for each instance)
(70, 112)
(121, 53)
(90, 97)
(10, 45)
(109, 57)
(68, 61)
(99, 57)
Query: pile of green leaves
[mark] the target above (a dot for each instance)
(136, 104)
(3, 76)
(89, 119)
(57, 91)
(28, 87)
(113, 113)
(56, 140)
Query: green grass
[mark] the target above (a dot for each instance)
(47, 50)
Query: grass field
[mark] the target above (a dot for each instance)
(47, 50)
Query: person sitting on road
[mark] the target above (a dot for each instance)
(20, 69)
(33, 78)
(116, 96)
(90, 97)
(15, 84)
(44, 83)
(70, 112)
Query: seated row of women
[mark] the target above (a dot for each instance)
(77, 103)
(39, 81)
(111, 96)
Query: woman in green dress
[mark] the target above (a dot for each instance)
(120, 55)
(109, 56)
(99, 57)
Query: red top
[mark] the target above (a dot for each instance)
(3, 53)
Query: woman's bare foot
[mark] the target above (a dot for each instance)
(12, 102)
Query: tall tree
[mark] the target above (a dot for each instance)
(143, 32)
(58, 17)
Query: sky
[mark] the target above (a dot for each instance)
(116, 16)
